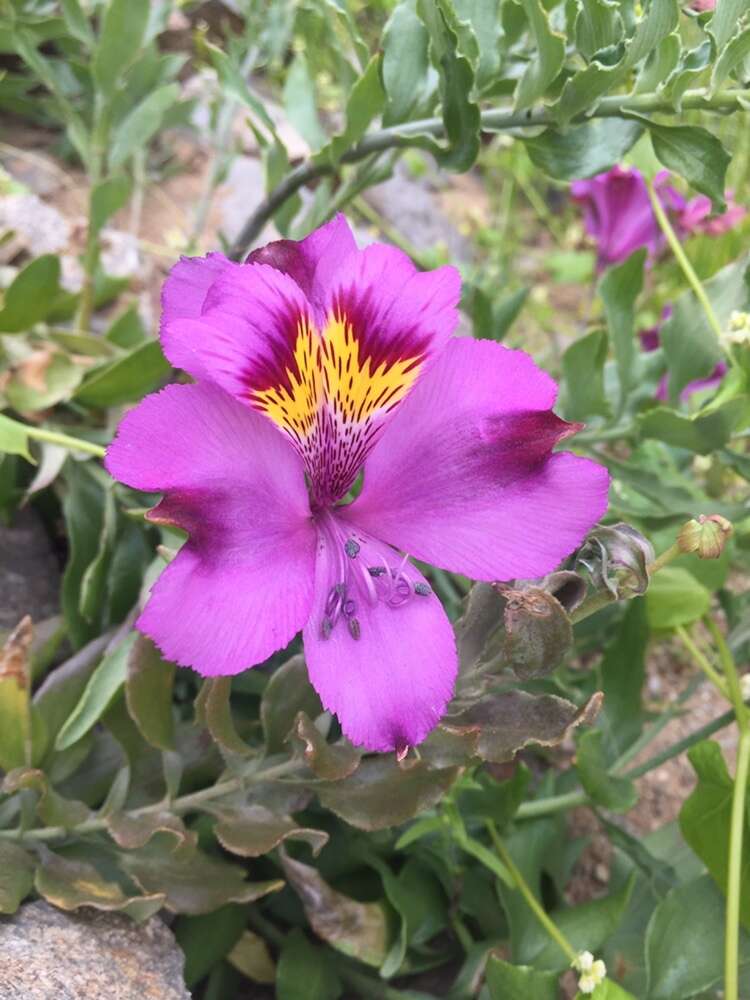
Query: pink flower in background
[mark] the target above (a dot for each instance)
(696, 216)
(703, 5)
(617, 212)
(314, 361)
(651, 340)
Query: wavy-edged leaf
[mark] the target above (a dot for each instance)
(148, 690)
(547, 58)
(213, 710)
(327, 761)
(253, 830)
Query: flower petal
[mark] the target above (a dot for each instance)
(313, 261)
(380, 650)
(184, 291)
(463, 476)
(241, 587)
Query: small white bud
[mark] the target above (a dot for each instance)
(738, 331)
(745, 687)
(593, 971)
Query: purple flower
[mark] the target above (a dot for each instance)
(651, 340)
(314, 360)
(696, 216)
(617, 213)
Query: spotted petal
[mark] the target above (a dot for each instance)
(323, 339)
(464, 476)
(380, 650)
(241, 586)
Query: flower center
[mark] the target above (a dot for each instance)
(332, 397)
(365, 574)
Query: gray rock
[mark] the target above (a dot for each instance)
(29, 574)
(47, 954)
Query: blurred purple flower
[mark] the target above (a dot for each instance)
(651, 340)
(617, 212)
(696, 216)
(314, 360)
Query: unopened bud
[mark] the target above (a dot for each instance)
(745, 687)
(616, 558)
(593, 971)
(705, 535)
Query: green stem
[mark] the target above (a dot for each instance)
(97, 160)
(532, 902)
(492, 120)
(734, 876)
(64, 440)
(687, 268)
(184, 804)
(664, 559)
(703, 662)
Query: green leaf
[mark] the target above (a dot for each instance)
(299, 103)
(659, 64)
(148, 690)
(406, 64)
(619, 289)
(127, 329)
(598, 25)
(305, 971)
(675, 598)
(547, 60)
(234, 84)
(685, 942)
(689, 343)
(141, 124)
(606, 790)
(518, 982)
(461, 117)
(287, 693)
(705, 820)
(366, 100)
(31, 295)
(703, 433)
(582, 91)
(483, 18)
(214, 711)
(76, 22)
(208, 938)
(107, 198)
(381, 793)
(733, 56)
(696, 155)
(359, 930)
(623, 672)
(690, 67)
(102, 688)
(14, 439)
(122, 32)
(16, 876)
(55, 378)
(723, 24)
(53, 809)
(126, 380)
(583, 150)
(83, 507)
(583, 372)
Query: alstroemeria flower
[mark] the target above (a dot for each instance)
(617, 212)
(314, 361)
(696, 216)
(651, 340)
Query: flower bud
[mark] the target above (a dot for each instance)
(738, 331)
(705, 535)
(745, 687)
(593, 971)
(617, 558)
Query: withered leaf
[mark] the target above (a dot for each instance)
(254, 830)
(356, 929)
(497, 727)
(131, 831)
(52, 808)
(538, 632)
(191, 882)
(70, 884)
(331, 762)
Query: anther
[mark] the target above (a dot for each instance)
(376, 571)
(325, 628)
(354, 629)
(351, 548)
(423, 589)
